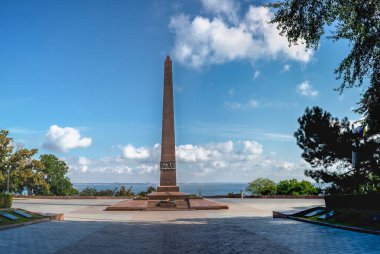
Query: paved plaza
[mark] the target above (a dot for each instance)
(247, 227)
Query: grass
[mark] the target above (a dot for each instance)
(4, 221)
(352, 218)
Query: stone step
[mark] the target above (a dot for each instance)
(180, 204)
(153, 203)
(166, 195)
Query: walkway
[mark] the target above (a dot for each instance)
(245, 228)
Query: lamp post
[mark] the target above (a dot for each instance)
(8, 173)
(358, 134)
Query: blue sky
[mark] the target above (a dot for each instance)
(83, 80)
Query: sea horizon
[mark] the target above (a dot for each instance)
(213, 188)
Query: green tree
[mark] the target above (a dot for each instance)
(55, 171)
(262, 186)
(25, 172)
(326, 144)
(294, 187)
(356, 21)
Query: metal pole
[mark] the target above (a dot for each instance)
(8, 181)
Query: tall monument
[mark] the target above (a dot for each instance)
(168, 181)
(167, 197)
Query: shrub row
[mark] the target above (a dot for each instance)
(6, 200)
(360, 201)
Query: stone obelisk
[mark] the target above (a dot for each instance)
(168, 181)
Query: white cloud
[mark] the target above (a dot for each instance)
(228, 8)
(190, 153)
(83, 162)
(130, 152)
(238, 105)
(306, 89)
(253, 104)
(225, 162)
(279, 136)
(231, 92)
(202, 40)
(63, 139)
(286, 68)
(256, 74)
(253, 148)
(224, 147)
(233, 105)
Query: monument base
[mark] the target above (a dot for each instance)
(167, 189)
(157, 205)
(168, 201)
(171, 195)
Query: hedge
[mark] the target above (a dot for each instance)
(6, 200)
(361, 201)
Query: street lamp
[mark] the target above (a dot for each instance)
(8, 172)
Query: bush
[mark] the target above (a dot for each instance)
(262, 186)
(360, 201)
(106, 192)
(148, 191)
(293, 187)
(6, 200)
(124, 192)
(88, 192)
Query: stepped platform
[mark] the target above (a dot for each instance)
(172, 195)
(167, 201)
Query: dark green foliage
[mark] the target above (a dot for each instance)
(356, 21)
(370, 108)
(262, 186)
(327, 146)
(234, 195)
(265, 186)
(296, 188)
(149, 190)
(124, 192)
(106, 192)
(324, 140)
(55, 171)
(6, 200)
(25, 172)
(361, 202)
(88, 192)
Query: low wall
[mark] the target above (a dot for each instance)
(128, 197)
(362, 201)
(73, 197)
(267, 196)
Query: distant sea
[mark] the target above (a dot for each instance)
(205, 189)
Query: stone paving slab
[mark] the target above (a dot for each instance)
(129, 205)
(247, 227)
(206, 204)
(47, 237)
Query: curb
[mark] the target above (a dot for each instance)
(71, 197)
(207, 196)
(24, 224)
(355, 229)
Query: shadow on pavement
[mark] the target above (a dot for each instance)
(221, 235)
